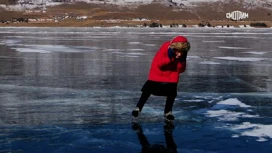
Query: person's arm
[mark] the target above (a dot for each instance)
(182, 60)
(182, 68)
(183, 57)
(164, 57)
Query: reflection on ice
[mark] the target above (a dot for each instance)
(148, 147)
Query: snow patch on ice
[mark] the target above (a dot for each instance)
(226, 115)
(255, 53)
(9, 42)
(131, 54)
(136, 49)
(262, 132)
(210, 63)
(135, 53)
(134, 43)
(242, 59)
(194, 100)
(194, 57)
(52, 48)
(223, 111)
(213, 41)
(128, 56)
(111, 50)
(151, 45)
(227, 47)
(233, 102)
(29, 50)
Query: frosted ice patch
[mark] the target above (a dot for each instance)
(213, 41)
(194, 100)
(136, 49)
(226, 115)
(52, 48)
(29, 50)
(9, 42)
(242, 59)
(255, 53)
(235, 136)
(193, 56)
(152, 45)
(262, 132)
(129, 56)
(226, 47)
(210, 63)
(111, 50)
(117, 52)
(233, 102)
(151, 111)
(220, 110)
(134, 43)
(135, 54)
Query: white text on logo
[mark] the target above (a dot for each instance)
(236, 15)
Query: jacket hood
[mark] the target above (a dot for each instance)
(179, 39)
(180, 43)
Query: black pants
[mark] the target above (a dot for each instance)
(168, 105)
(169, 90)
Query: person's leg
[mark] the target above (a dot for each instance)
(169, 105)
(142, 100)
(144, 97)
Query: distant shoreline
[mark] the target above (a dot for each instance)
(130, 23)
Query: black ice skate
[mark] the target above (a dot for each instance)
(135, 114)
(169, 117)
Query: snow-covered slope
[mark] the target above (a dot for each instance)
(129, 2)
(249, 4)
(180, 2)
(259, 3)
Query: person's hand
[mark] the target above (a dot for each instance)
(182, 57)
(171, 53)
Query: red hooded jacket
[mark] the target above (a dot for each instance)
(164, 69)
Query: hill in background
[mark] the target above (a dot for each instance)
(108, 14)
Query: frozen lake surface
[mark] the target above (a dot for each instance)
(72, 90)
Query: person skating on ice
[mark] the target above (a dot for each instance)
(167, 64)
